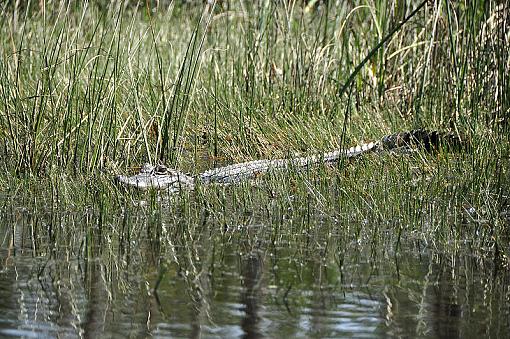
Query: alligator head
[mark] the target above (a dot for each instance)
(157, 177)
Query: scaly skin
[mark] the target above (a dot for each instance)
(158, 177)
(161, 177)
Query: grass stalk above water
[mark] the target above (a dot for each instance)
(87, 92)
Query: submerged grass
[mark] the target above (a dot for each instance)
(87, 92)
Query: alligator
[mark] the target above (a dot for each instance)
(161, 177)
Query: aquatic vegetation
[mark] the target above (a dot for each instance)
(388, 244)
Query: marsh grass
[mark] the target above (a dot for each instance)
(87, 92)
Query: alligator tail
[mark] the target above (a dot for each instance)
(431, 141)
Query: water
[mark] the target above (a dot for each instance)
(92, 274)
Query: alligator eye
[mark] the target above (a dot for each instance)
(146, 168)
(160, 170)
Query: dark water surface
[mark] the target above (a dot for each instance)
(152, 273)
